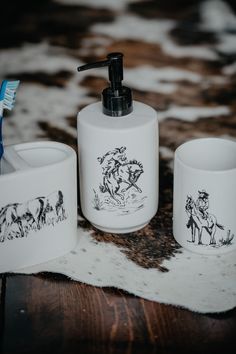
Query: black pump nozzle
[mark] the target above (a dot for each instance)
(117, 99)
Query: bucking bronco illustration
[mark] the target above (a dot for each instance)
(119, 176)
(17, 219)
(200, 220)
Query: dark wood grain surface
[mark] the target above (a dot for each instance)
(48, 313)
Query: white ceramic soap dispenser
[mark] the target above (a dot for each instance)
(118, 156)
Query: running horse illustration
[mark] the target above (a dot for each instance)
(198, 222)
(119, 174)
(17, 219)
(20, 216)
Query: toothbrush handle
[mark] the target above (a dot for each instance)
(14, 159)
(1, 143)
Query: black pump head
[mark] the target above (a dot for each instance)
(116, 99)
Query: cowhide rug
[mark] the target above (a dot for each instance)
(180, 58)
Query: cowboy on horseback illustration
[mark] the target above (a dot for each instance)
(202, 203)
(199, 218)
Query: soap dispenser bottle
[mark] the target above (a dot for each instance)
(118, 156)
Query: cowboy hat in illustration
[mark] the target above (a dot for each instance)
(204, 193)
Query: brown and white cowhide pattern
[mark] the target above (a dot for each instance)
(180, 58)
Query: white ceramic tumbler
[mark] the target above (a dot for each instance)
(204, 205)
(38, 203)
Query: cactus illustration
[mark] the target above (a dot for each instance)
(97, 204)
(228, 240)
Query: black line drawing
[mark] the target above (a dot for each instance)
(200, 220)
(119, 189)
(18, 219)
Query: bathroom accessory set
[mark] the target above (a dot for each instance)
(119, 181)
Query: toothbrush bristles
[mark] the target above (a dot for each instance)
(10, 94)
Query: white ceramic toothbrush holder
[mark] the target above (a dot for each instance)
(38, 203)
(204, 214)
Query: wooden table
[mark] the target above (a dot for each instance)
(49, 313)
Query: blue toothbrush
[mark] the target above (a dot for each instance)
(7, 99)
